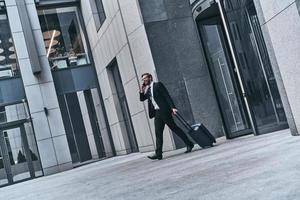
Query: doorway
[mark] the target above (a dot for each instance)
(240, 69)
(19, 160)
(82, 126)
(124, 113)
(221, 69)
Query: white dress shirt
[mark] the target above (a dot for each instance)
(152, 99)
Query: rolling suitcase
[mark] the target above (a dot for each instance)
(198, 132)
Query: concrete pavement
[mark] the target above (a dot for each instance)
(265, 167)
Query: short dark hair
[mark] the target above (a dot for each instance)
(147, 74)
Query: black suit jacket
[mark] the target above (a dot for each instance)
(161, 97)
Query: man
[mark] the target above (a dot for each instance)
(161, 107)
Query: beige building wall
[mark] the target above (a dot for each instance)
(123, 37)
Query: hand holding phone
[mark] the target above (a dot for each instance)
(142, 89)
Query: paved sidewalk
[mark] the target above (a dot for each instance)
(265, 167)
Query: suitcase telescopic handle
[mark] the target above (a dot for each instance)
(183, 121)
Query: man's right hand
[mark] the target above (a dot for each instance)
(142, 88)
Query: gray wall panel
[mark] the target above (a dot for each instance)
(74, 79)
(153, 10)
(187, 48)
(163, 51)
(180, 63)
(177, 9)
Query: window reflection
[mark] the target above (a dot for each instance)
(8, 64)
(63, 38)
(14, 112)
(98, 13)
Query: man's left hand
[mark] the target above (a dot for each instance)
(174, 111)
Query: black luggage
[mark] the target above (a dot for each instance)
(198, 133)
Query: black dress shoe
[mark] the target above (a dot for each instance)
(154, 157)
(189, 148)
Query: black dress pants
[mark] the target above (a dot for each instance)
(162, 118)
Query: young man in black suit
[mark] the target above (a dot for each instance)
(161, 107)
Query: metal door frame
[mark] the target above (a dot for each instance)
(4, 149)
(231, 49)
(220, 4)
(202, 6)
(234, 80)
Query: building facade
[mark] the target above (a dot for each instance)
(70, 72)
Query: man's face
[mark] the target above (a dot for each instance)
(146, 80)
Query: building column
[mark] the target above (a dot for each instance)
(39, 88)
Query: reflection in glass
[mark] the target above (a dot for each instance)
(17, 146)
(14, 112)
(3, 177)
(33, 151)
(262, 54)
(63, 38)
(8, 64)
(19, 158)
(254, 63)
(220, 66)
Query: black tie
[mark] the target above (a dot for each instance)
(149, 93)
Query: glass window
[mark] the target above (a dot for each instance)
(63, 37)
(98, 12)
(8, 62)
(2, 4)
